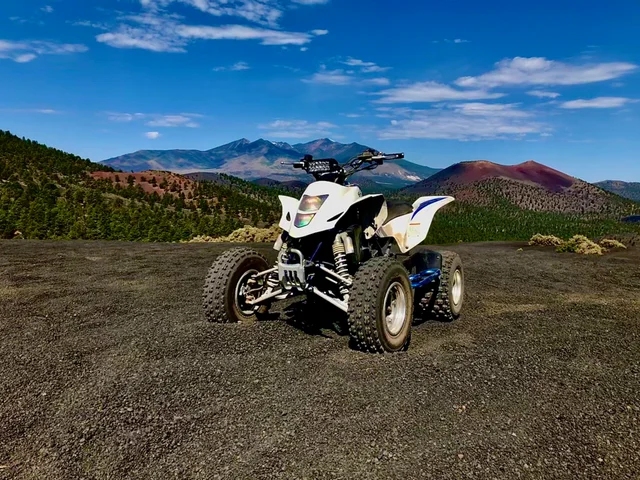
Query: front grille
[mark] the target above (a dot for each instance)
(291, 269)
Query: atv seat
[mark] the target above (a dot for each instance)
(397, 208)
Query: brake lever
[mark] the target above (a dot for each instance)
(293, 164)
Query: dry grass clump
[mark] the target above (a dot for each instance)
(577, 244)
(546, 240)
(582, 245)
(610, 244)
(243, 235)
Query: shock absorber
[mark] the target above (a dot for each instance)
(342, 269)
(272, 279)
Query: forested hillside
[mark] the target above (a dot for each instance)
(503, 221)
(497, 202)
(46, 193)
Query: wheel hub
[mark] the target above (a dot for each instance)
(456, 287)
(395, 307)
(242, 289)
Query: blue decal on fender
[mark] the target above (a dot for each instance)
(426, 204)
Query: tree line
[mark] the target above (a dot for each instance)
(49, 194)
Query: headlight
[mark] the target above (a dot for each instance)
(311, 204)
(303, 219)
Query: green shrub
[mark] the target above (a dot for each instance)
(546, 240)
(582, 245)
(610, 244)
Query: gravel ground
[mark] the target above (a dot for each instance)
(108, 370)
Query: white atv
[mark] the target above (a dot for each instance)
(356, 252)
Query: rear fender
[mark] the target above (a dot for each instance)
(411, 229)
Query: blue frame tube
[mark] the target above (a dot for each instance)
(425, 277)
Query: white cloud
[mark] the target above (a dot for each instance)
(455, 40)
(125, 117)
(88, 23)
(172, 121)
(330, 77)
(25, 58)
(432, 92)
(240, 66)
(241, 32)
(149, 31)
(157, 120)
(379, 82)
(43, 111)
(458, 123)
(152, 135)
(599, 102)
(127, 37)
(540, 71)
(342, 77)
(365, 67)
(490, 109)
(26, 51)
(47, 9)
(543, 94)
(303, 49)
(297, 129)
(158, 31)
(236, 67)
(266, 12)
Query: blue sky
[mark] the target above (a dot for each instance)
(557, 82)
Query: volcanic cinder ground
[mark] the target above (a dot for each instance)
(108, 370)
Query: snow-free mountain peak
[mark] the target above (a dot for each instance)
(262, 158)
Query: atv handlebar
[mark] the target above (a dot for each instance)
(330, 169)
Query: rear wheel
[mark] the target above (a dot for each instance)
(227, 285)
(450, 294)
(380, 307)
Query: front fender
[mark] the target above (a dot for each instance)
(289, 208)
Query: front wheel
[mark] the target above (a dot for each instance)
(381, 307)
(227, 285)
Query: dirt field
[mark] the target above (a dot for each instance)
(108, 370)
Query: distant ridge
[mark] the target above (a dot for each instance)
(262, 159)
(630, 190)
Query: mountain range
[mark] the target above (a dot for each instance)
(261, 159)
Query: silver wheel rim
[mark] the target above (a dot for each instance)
(456, 287)
(395, 308)
(241, 294)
